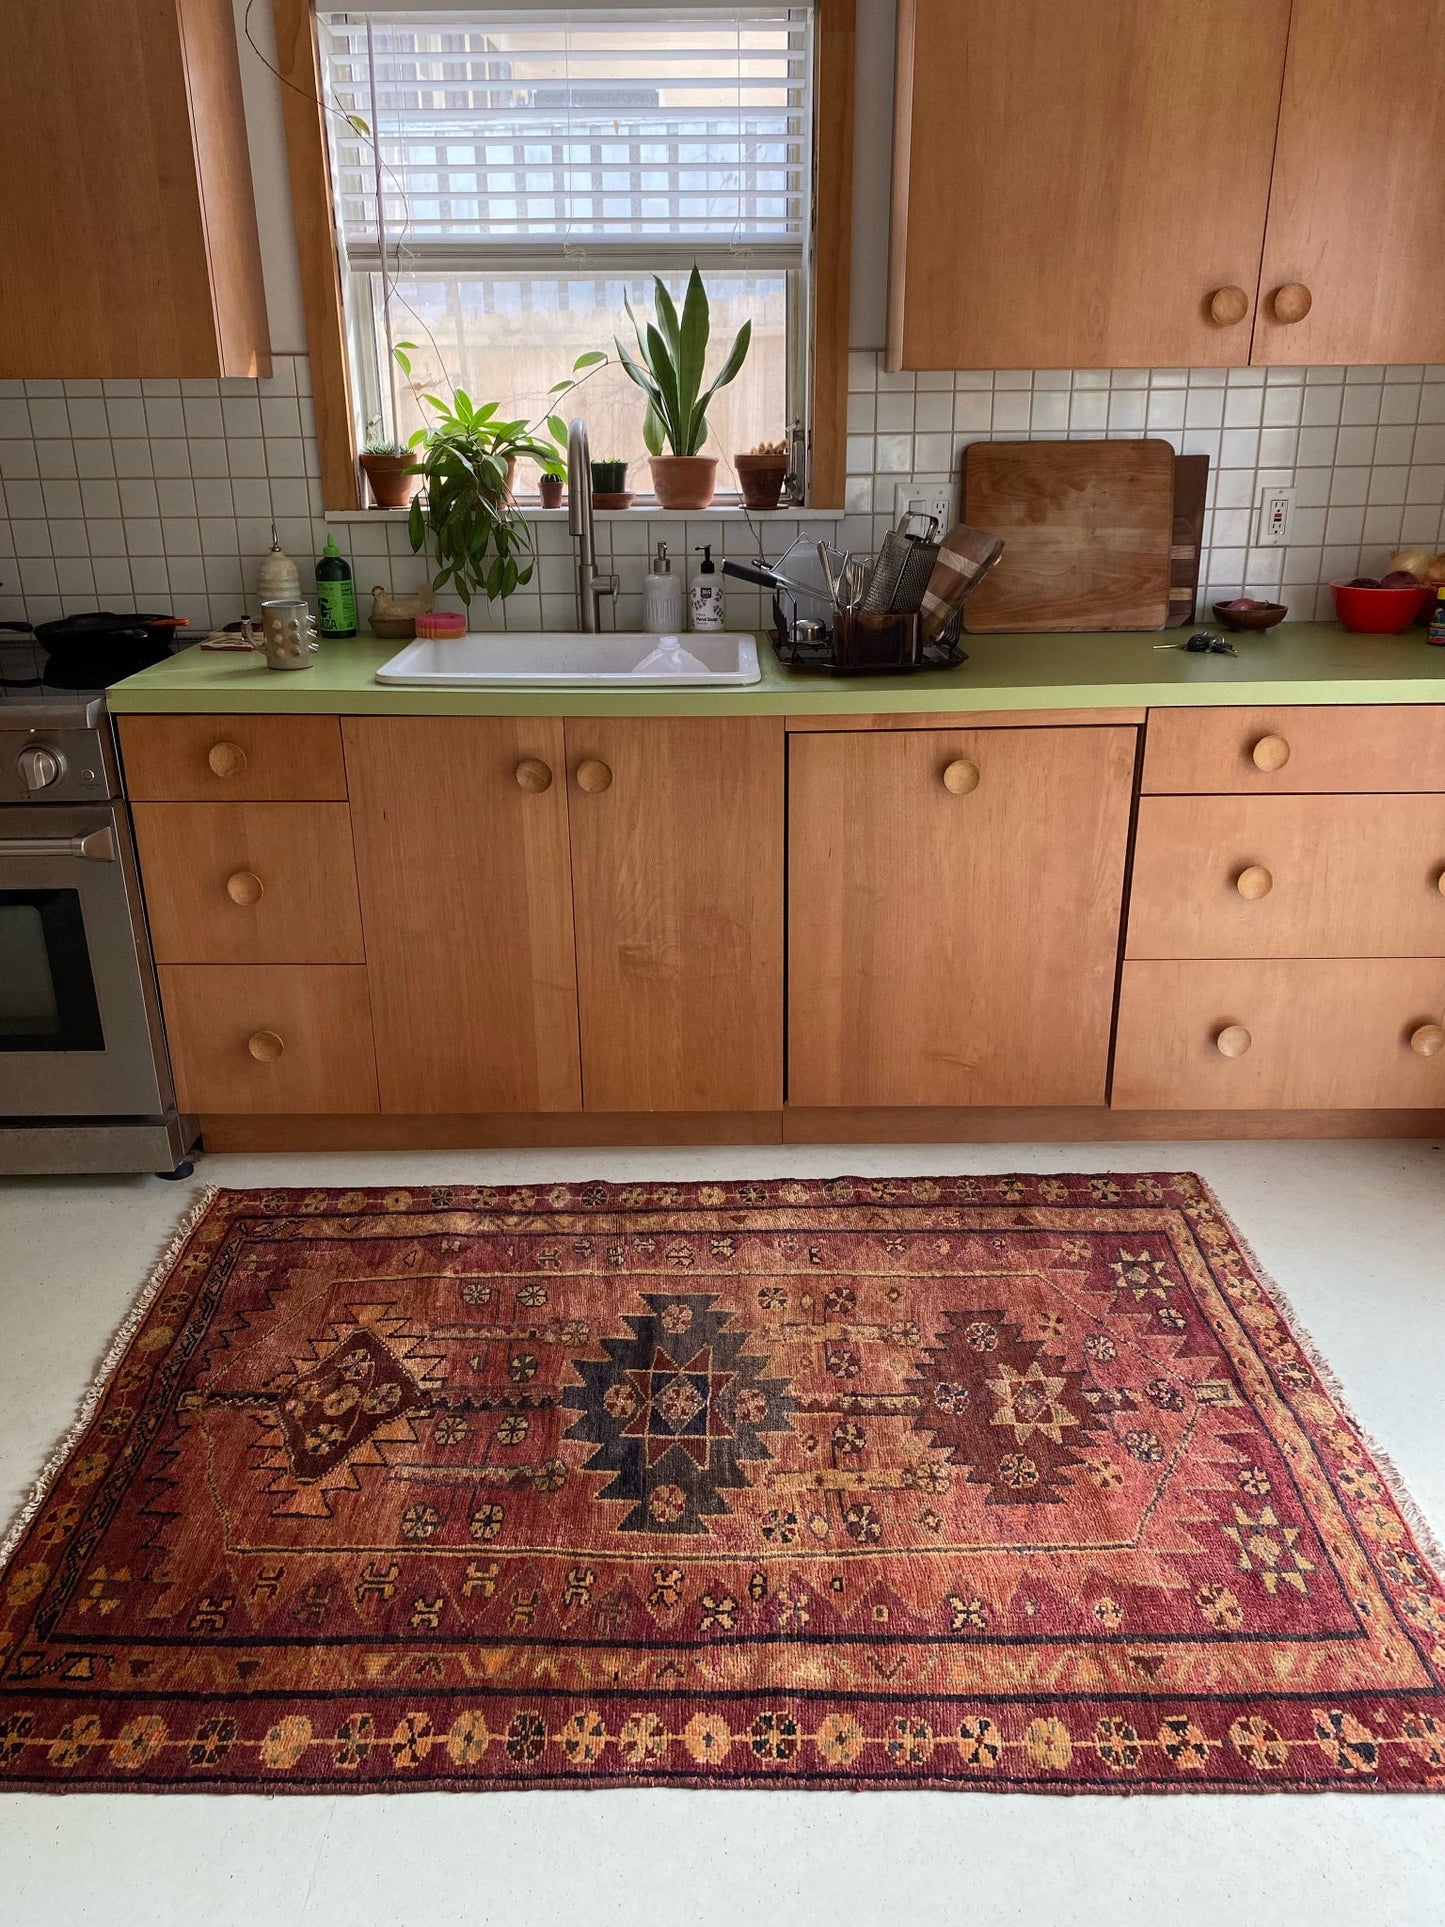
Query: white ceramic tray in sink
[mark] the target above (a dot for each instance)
(553, 659)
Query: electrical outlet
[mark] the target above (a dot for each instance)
(1276, 513)
(923, 498)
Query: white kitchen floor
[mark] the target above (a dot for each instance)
(1355, 1235)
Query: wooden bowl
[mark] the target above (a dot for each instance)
(1254, 621)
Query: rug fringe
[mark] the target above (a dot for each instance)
(1427, 1540)
(90, 1403)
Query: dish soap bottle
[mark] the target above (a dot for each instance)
(335, 592)
(706, 596)
(1437, 619)
(661, 596)
(278, 579)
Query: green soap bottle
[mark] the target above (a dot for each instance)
(335, 592)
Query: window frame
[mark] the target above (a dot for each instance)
(821, 353)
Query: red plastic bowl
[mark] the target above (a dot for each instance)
(1378, 612)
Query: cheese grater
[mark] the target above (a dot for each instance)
(905, 562)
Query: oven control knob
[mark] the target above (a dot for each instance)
(39, 767)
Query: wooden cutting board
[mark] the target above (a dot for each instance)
(1087, 529)
(1191, 491)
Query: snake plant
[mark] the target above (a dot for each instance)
(673, 354)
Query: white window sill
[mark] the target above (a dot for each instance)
(533, 512)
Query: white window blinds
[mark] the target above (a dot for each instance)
(629, 137)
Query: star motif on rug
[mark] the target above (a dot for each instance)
(1030, 1402)
(1141, 1274)
(1269, 1549)
(675, 1410)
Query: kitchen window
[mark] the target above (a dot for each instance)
(503, 177)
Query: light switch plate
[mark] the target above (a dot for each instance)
(923, 498)
(1276, 514)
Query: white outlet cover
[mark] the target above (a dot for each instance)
(1276, 515)
(923, 498)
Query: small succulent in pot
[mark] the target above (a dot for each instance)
(673, 353)
(391, 472)
(609, 477)
(761, 474)
(551, 486)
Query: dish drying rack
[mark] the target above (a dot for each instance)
(832, 613)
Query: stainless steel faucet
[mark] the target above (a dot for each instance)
(591, 584)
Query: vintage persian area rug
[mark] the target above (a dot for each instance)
(1018, 1482)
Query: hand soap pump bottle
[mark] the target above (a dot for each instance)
(335, 592)
(661, 596)
(706, 596)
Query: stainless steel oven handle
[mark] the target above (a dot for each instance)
(98, 846)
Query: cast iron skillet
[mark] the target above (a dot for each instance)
(93, 651)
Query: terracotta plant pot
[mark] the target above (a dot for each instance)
(760, 477)
(551, 488)
(683, 481)
(391, 478)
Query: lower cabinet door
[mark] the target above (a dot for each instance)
(1361, 1034)
(460, 830)
(954, 905)
(677, 877)
(269, 1038)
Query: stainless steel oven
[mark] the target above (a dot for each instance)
(84, 1082)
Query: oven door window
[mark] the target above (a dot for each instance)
(47, 992)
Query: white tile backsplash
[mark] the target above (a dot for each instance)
(161, 493)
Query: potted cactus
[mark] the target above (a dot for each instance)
(668, 368)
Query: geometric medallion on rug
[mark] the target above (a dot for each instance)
(1013, 1483)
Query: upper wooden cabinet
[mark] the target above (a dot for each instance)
(1355, 208)
(953, 914)
(1074, 183)
(128, 221)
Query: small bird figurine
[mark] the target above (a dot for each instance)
(393, 617)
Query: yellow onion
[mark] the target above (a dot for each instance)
(1413, 561)
(1435, 571)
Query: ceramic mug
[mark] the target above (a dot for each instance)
(288, 634)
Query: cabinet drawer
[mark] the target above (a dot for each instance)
(1248, 752)
(1297, 1036)
(250, 882)
(241, 759)
(269, 1038)
(1288, 876)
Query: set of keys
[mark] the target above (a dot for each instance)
(1202, 644)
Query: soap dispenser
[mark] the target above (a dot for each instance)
(661, 596)
(706, 596)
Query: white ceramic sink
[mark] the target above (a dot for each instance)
(558, 659)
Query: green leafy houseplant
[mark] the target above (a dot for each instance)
(466, 461)
(669, 366)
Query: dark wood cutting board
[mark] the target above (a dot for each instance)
(1191, 489)
(1087, 529)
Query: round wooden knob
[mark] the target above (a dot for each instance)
(1228, 307)
(1428, 1039)
(226, 759)
(1270, 753)
(244, 887)
(1440, 883)
(265, 1046)
(1292, 302)
(533, 775)
(961, 777)
(1233, 1041)
(593, 776)
(1254, 882)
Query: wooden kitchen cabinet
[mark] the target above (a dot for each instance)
(1086, 185)
(269, 1040)
(1354, 210)
(677, 878)
(460, 831)
(1288, 876)
(1303, 1034)
(954, 914)
(128, 226)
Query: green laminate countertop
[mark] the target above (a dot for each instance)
(1300, 662)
